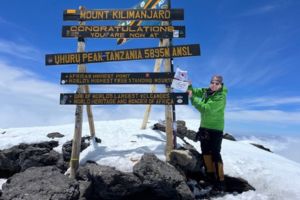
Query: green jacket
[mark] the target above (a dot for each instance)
(211, 107)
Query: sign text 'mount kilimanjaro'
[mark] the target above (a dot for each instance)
(117, 78)
(131, 14)
(123, 98)
(122, 55)
(124, 31)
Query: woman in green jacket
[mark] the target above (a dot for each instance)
(211, 102)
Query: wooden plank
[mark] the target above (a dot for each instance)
(124, 98)
(123, 55)
(157, 65)
(168, 113)
(76, 143)
(130, 14)
(123, 31)
(116, 78)
(90, 114)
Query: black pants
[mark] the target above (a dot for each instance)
(211, 141)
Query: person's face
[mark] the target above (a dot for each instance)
(215, 85)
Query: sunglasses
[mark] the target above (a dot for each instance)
(215, 83)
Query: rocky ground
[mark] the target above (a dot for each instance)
(36, 171)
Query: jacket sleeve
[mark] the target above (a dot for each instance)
(197, 92)
(212, 105)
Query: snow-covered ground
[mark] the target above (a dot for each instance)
(285, 145)
(123, 143)
(1, 182)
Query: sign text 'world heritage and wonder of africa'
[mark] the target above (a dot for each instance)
(123, 98)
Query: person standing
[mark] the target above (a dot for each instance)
(211, 102)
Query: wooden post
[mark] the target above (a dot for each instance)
(76, 145)
(90, 114)
(169, 108)
(174, 123)
(157, 65)
(169, 114)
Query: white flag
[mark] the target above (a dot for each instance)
(181, 75)
(180, 81)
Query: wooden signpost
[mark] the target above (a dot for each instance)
(116, 78)
(123, 55)
(130, 14)
(158, 63)
(124, 31)
(133, 29)
(124, 98)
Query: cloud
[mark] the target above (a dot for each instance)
(273, 101)
(277, 116)
(29, 101)
(264, 110)
(240, 68)
(5, 22)
(255, 103)
(26, 100)
(260, 10)
(23, 51)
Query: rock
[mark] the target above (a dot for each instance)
(227, 136)
(261, 147)
(159, 126)
(187, 161)
(40, 183)
(109, 183)
(85, 188)
(55, 135)
(162, 179)
(37, 157)
(19, 158)
(238, 185)
(48, 145)
(192, 135)
(61, 164)
(98, 140)
(182, 130)
(180, 123)
(3, 132)
(9, 162)
(67, 147)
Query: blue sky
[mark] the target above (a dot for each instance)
(254, 44)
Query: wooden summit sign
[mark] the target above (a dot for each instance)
(116, 78)
(123, 98)
(124, 31)
(131, 14)
(123, 55)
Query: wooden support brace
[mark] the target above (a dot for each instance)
(158, 63)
